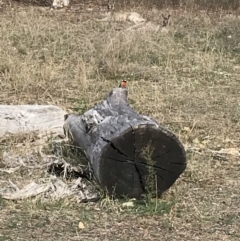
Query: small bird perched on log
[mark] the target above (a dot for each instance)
(123, 84)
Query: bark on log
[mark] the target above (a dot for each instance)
(17, 119)
(130, 154)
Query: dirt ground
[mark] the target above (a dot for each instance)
(187, 78)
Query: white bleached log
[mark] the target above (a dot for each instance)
(23, 119)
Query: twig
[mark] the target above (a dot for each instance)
(13, 185)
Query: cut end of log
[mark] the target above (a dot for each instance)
(144, 159)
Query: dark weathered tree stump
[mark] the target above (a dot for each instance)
(130, 154)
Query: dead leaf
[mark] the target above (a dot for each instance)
(205, 141)
(81, 225)
(202, 146)
(128, 204)
(196, 141)
(186, 128)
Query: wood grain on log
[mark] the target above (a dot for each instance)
(16, 119)
(130, 154)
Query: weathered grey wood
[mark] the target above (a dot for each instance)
(16, 119)
(130, 154)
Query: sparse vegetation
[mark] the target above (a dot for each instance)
(151, 179)
(187, 79)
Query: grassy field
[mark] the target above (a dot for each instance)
(186, 78)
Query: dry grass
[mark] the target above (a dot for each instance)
(187, 79)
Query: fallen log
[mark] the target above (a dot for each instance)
(130, 154)
(24, 119)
